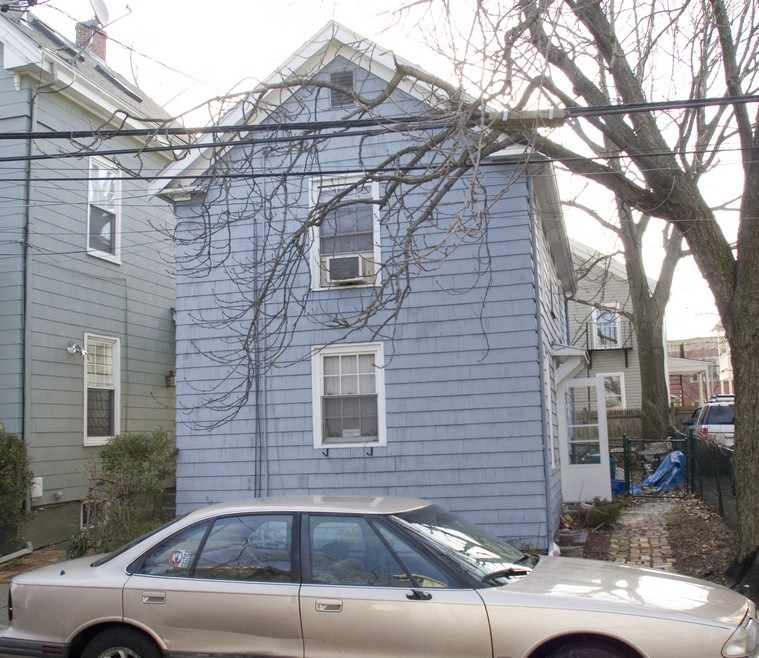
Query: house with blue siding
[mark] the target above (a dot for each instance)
(364, 307)
(86, 263)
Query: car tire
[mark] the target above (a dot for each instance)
(121, 643)
(590, 649)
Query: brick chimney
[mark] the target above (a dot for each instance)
(91, 36)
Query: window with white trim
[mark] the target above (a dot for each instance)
(102, 401)
(104, 210)
(345, 242)
(607, 328)
(348, 385)
(614, 389)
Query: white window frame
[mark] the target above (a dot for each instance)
(622, 394)
(114, 384)
(598, 341)
(97, 166)
(372, 260)
(318, 354)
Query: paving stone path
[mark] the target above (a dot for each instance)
(640, 536)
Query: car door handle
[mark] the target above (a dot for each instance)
(154, 597)
(329, 605)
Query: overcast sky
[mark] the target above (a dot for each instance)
(182, 52)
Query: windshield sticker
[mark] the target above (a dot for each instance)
(179, 559)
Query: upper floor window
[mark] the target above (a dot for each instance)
(104, 210)
(102, 383)
(337, 97)
(345, 244)
(607, 328)
(348, 395)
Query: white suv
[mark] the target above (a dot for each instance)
(714, 421)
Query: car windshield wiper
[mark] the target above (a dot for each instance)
(511, 572)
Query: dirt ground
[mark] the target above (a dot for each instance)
(702, 544)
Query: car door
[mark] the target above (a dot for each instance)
(368, 592)
(226, 586)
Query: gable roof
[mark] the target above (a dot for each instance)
(329, 43)
(32, 48)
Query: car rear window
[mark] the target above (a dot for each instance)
(722, 414)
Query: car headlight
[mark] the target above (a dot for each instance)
(744, 641)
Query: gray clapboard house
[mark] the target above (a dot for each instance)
(456, 399)
(86, 271)
(598, 324)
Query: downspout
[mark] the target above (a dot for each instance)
(544, 418)
(26, 341)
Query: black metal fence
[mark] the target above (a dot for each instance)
(709, 470)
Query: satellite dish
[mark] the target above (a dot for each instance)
(101, 11)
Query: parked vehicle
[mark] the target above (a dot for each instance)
(714, 421)
(327, 576)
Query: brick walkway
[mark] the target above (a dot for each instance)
(640, 537)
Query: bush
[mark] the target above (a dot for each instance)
(127, 487)
(601, 514)
(15, 481)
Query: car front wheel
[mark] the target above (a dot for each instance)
(121, 643)
(590, 649)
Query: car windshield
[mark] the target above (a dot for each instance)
(489, 560)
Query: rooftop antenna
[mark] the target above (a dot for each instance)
(101, 12)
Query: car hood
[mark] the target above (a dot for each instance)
(69, 571)
(608, 587)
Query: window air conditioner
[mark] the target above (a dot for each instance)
(345, 270)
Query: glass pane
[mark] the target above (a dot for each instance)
(331, 365)
(174, 556)
(419, 570)
(102, 227)
(347, 551)
(350, 419)
(253, 548)
(349, 364)
(366, 384)
(100, 412)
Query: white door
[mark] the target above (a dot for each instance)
(584, 441)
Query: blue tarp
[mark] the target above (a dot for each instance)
(670, 475)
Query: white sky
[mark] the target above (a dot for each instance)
(190, 51)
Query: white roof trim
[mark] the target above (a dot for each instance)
(332, 41)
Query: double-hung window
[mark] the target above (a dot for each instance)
(345, 239)
(104, 210)
(102, 384)
(348, 395)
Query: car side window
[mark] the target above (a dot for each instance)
(347, 551)
(255, 547)
(174, 556)
(422, 571)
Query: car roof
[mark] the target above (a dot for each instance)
(379, 505)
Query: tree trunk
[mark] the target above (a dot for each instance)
(656, 421)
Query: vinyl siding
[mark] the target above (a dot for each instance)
(72, 293)
(465, 422)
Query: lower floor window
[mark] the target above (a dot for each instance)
(102, 377)
(348, 395)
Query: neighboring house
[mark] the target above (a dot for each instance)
(86, 268)
(458, 400)
(694, 386)
(598, 325)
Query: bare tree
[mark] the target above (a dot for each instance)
(609, 68)
(587, 57)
